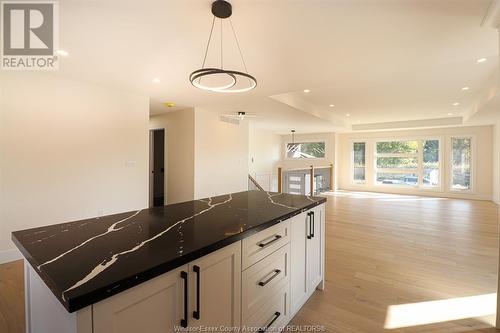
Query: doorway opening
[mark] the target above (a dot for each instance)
(157, 167)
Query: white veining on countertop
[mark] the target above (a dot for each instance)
(270, 196)
(111, 229)
(107, 263)
(310, 198)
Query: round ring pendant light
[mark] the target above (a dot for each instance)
(233, 81)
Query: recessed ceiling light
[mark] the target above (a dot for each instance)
(156, 80)
(307, 91)
(481, 60)
(450, 114)
(331, 105)
(456, 104)
(62, 53)
(465, 88)
(347, 114)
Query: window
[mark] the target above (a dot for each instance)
(359, 166)
(461, 168)
(430, 163)
(397, 163)
(408, 163)
(305, 150)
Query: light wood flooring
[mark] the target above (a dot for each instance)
(382, 251)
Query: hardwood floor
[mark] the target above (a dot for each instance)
(385, 250)
(12, 297)
(382, 250)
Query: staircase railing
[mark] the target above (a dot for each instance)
(306, 181)
(255, 183)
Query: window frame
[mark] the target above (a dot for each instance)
(309, 158)
(353, 182)
(472, 188)
(419, 170)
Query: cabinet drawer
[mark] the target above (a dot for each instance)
(264, 279)
(274, 314)
(262, 244)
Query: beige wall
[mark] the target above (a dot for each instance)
(221, 155)
(264, 152)
(69, 150)
(482, 169)
(496, 161)
(179, 153)
(264, 157)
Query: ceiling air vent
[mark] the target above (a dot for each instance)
(230, 120)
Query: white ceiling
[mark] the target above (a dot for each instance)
(377, 60)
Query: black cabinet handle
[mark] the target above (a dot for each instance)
(271, 241)
(276, 273)
(196, 313)
(184, 276)
(309, 226)
(313, 222)
(276, 316)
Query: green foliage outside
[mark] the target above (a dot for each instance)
(306, 150)
(430, 154)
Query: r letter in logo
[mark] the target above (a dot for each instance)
(29, 35)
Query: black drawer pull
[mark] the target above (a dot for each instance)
(276, 273)
(309, 226)
(196, 313)
(271, 241)
(313, 223)
(276, 316)
(184, 322)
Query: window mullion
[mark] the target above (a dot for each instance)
(420, 159)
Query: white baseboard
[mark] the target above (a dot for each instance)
(10, 255)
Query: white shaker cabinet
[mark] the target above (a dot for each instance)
(153, 307)
(307, 255)
(215, 289)
(213, 292)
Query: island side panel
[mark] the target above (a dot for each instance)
(44, 312)
(321, 286)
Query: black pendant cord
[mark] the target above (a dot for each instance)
(208, 43)
(221, 47)
(239, 48)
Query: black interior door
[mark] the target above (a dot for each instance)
(158, 167)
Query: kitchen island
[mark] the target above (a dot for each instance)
(248, 259)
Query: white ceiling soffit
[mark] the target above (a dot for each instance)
(492, 17)
(486, 99)
(315, 110)
(410, 124)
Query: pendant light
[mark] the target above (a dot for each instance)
(234, 81)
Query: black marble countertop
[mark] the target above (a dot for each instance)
(86, 261)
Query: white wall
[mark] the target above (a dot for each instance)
(265, 151)
(221, 155)
(69, 150)
(179, 153)
(482, 169)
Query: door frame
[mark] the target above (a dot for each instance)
(151, 164)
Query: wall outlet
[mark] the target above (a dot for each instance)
(131, 163)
